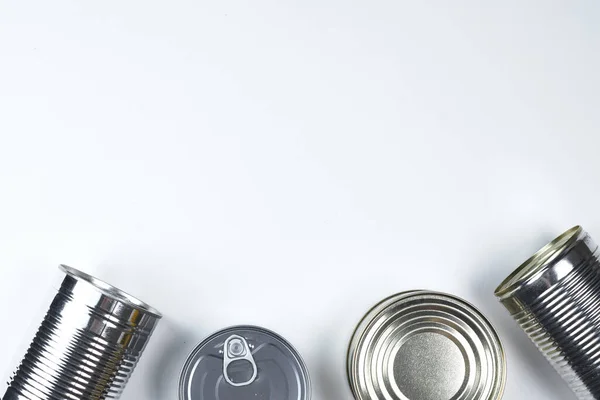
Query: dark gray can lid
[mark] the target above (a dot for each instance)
(242, 363)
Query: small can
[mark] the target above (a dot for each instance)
(555, 297)
(423, 345)
(242, 363)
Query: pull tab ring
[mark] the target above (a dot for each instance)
(235, 349)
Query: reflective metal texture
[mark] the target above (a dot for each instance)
(244, 363)
(555, 298)
(423, 345)
(88, 344)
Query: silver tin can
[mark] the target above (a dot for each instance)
(88, 344)
(423, 345)
(555, 298)
(244, 363)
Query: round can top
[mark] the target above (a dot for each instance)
(110, 291)
(423, 345)
(552, 264)
(242, 363)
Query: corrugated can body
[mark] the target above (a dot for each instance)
(555, 298)
(88, 344)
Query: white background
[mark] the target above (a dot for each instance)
(289, 164)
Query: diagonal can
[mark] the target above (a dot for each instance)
(88, 344)
(555, 297)
(424, 345)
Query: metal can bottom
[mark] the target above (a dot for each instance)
(423, 345)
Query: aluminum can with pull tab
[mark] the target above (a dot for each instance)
(244, 362)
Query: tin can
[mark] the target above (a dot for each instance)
(555, 297)
(88, 344)
(242, 363)
(423, 345)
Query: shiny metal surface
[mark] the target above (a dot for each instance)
(88, 344)
(423, 345)
(244, 363)
(555, 298)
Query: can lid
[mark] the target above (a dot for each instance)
(110, 291)
(423, 345)
(244, 362)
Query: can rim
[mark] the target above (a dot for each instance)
(110, 290)
(186, 372)
(539, 262)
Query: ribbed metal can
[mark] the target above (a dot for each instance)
(555, 298)
(87, 345)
